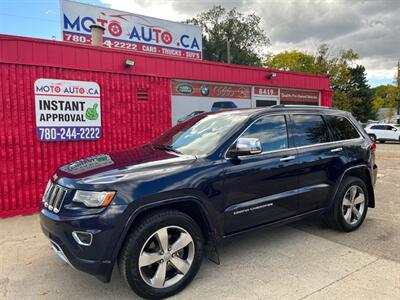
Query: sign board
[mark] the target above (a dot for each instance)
(191, 98)
(202, 89)
(266, 91)
(130, 31)
(67, 110)
(289, 96)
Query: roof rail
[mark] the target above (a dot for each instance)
(298, 106)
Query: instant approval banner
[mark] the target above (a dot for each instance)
(67, 110)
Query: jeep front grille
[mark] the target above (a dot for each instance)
(54, 197)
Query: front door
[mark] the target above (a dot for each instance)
(261, 188)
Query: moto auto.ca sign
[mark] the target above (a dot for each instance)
(130, 31)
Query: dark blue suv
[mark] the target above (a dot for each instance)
(157, 209)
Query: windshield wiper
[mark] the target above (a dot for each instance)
(168, 148)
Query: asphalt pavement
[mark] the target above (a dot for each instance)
(305, 260)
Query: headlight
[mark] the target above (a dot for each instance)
(93, 199)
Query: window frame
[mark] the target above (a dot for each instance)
(290, 131)
(332, 134)
(288, 134)
(292, 125)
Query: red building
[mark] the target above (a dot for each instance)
(140, 98)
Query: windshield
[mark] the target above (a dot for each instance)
(200, 135)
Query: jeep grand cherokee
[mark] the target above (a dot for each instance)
(155, 210)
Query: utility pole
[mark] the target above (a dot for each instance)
(398, 92)
(228, 50)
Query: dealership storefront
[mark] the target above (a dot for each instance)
(61, 101)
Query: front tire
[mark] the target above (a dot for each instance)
(350, 205)
(162, 254)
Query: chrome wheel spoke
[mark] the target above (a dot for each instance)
(347, 216)
(356, 213)
(353, 192)
(147, 259)
(162, 237)
(359, 199)
(159, 277)
(346, 202)
(180, 264)
(181, 243)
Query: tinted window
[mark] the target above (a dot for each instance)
(379, 127)
(342, 128)
(309, 130)
(271, 131)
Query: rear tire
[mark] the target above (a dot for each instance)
(350, 205)
(153, 272)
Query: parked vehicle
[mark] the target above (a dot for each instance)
(156, 209)
(222, 105)
(191, 115)
(383, 132)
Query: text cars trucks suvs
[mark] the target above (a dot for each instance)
(155, 210)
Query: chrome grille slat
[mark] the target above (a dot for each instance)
(54, 197)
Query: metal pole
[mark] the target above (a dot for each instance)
(398, 92)
(228, 50)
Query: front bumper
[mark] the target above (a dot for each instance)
(96, 259)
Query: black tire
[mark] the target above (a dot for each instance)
(372, 137)
(335, 215)
(129, 256)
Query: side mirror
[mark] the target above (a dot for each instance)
(245, 146)
(394, 129)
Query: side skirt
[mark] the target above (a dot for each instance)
(275, 223)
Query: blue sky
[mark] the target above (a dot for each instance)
(38, 18)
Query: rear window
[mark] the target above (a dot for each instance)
(309, 130)
(342, 128)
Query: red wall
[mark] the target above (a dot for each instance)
(27, 163)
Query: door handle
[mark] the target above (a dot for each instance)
(337, 149)
(287, 158)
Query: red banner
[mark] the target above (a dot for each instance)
(201, 89)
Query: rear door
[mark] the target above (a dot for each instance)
(391, 132)
(320, 160)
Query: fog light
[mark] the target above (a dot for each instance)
(82, 238)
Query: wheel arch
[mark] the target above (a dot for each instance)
(362, 172)
(188, 205)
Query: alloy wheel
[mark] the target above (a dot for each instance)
(166, 257)
(353, 204)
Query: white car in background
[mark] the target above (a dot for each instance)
(383, 132)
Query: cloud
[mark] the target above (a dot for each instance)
(50, 12)
(371, 28)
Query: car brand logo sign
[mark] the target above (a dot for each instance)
(185, 88)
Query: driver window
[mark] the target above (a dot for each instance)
(271, 131)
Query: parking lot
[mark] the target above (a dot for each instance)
(305, 260)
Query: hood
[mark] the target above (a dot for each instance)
(120, 165)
